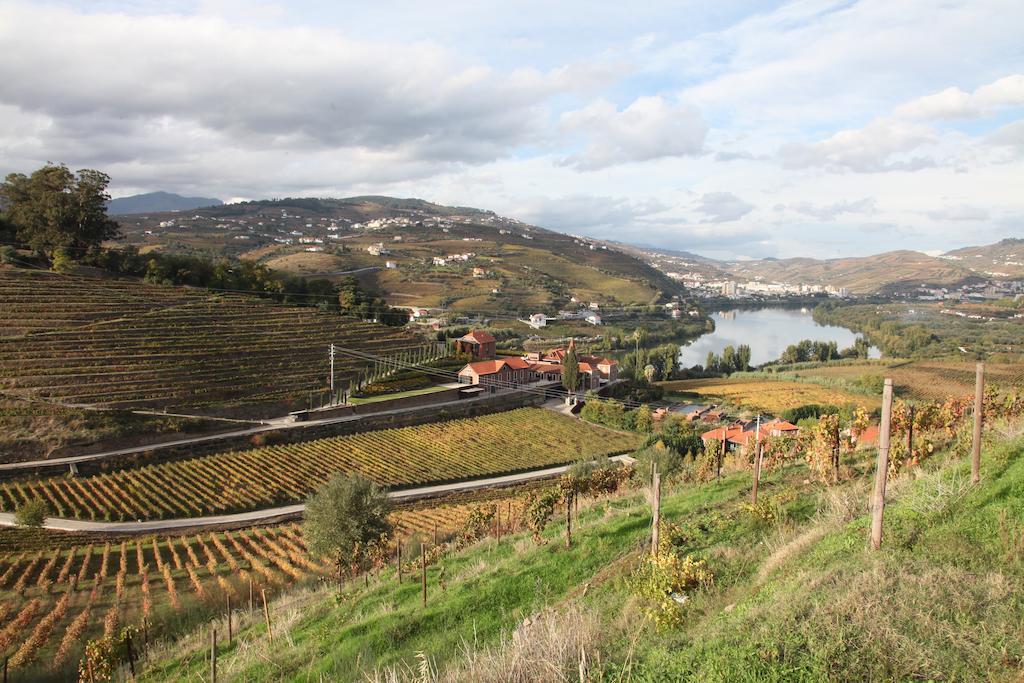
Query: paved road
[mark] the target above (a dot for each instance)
(277, 424)
(288, 511)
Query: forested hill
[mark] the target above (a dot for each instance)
(486, 262)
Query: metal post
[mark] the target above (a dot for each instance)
(881, 467)
(979, 409)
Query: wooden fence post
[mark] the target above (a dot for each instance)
(910, 433)
(213, 655)
(497, 518)
(757, 472)
(266, 614)
(568, 520)
(131, 653)
(835, 455)
(398, 557)
(250, 596)
(231, 635)
(881, 467)
(423, 562)
(979, 410)
(655, 512)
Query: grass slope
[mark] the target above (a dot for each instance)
(797, 596)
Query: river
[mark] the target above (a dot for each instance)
(768, 331)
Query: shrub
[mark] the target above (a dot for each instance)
(31, 513)
(664, 582)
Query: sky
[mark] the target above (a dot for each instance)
(728, 128)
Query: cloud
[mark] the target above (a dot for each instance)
(1011, 135)
(722, 207)
(160, 91)
(594, 214)
(647, 129)
(954, 103)
(959, 213)
(885, 144)
(829, 212)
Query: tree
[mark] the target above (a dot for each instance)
(344, 517)
(743, 357)
(728, 359)
(31, 513)
(571, 368)
(55, 208)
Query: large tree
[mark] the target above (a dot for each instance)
(56, 209)
(571, 368)
(344, 517)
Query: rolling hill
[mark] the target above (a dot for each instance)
(1002, 259)
(157, 201)
(416, 253)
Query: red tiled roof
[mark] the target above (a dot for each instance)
(516, 363)
(477, 337)
(484, 367)
(545, 367)
(722, 433)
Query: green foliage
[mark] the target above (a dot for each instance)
(668, 461)
(539, 509)
(31, 513)
(55, 208)
(810, 350)
(665, 580)
(662, 359)
(478, 522)
(344, 516)
(809, 410)
(644, 421)
(571, 369)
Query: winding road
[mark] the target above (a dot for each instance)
(289, 511)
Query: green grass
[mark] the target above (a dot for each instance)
(397, 394)
(797, 598)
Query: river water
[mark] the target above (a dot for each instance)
(767, 331)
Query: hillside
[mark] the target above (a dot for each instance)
(1002, 259)
(785, 590)
(157, 201)
(488, 263)
(126, 344)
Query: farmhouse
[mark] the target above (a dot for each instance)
(744, 435)
(502, 372)
(477, 344)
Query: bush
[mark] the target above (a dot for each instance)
(668, 460)
(809, 410)
(31, 513)
(665, 579)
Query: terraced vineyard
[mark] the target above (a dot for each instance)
(279, 475)
(53, 599)
(127, 344)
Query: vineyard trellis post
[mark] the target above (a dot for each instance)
(213, 654)
(398, 557)
(6, 659)
(131, 653)
(835, 455)
(757, 472)
(655, 511)
(251, 603)
(910, 433)
(423, 563)
(979, 409)
(266, 614)
(568, 520)
(881, 467)
(230, 631)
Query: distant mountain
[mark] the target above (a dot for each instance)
(157, 201)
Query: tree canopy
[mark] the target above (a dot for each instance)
(571, 369)
(347, 514)
(56, 209)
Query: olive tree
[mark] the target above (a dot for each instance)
(344, 518)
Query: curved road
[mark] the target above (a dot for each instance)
(271, 425)
(288, 511)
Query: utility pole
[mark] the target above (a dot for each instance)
(332, 372)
